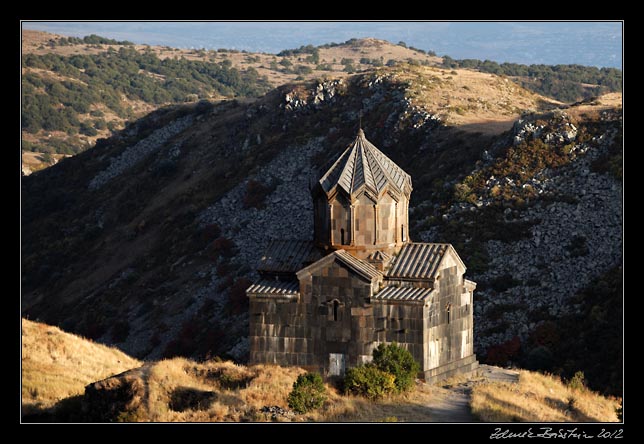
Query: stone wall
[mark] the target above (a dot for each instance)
(340, 219)
(279, 332)
(342, 321)
(331, 316)
(336, 317)
(449, 322)
(402, 323)
(361, 225)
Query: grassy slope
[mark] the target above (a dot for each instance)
(470, 100)
(238, 393)
(57, 365)
(540, 398)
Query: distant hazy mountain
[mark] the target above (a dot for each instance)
(585, 43)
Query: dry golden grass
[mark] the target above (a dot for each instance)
(180, 390)
(610, 100)
(228, 392)
(539, 398)
(474, 101)
(33, 162)
(602, 103)
(57, 365)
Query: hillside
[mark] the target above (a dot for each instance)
(67, 378)
(78, 90)
(363, 54)
(540, 398)
(185, 391)
(58, 365)
(63, 113)
(149, 239)
(568, 83)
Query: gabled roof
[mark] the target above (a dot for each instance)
(420, 260)
(268, 288)
(361, 268)
(363, 166)
(393, 293)
(288, 256)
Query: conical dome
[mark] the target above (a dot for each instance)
(363, 166)
(361, 203)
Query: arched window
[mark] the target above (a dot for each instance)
(402, 233)
(448, 309)
(336, 307)
(342, 236)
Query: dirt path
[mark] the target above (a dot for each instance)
(449, 402)
(498, 374)
(452, 406)
(428, 403)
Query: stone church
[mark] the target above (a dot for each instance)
(325, 304)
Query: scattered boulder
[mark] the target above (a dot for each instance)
(276, 411)
(114, 398)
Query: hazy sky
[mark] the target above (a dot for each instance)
(585, 43)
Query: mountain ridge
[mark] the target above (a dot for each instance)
(56, 72)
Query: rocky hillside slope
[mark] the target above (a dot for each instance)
(149, 239)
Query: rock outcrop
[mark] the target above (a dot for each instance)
(115, 398)
(575, 236)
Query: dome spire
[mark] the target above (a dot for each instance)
(362, 165)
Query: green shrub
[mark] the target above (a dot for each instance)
(369, 381)
(399, 362)
(308, 393)
(539, 358)
(87, 129)
(578, 381)
(389, 419)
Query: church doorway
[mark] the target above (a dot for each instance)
(336, 364)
